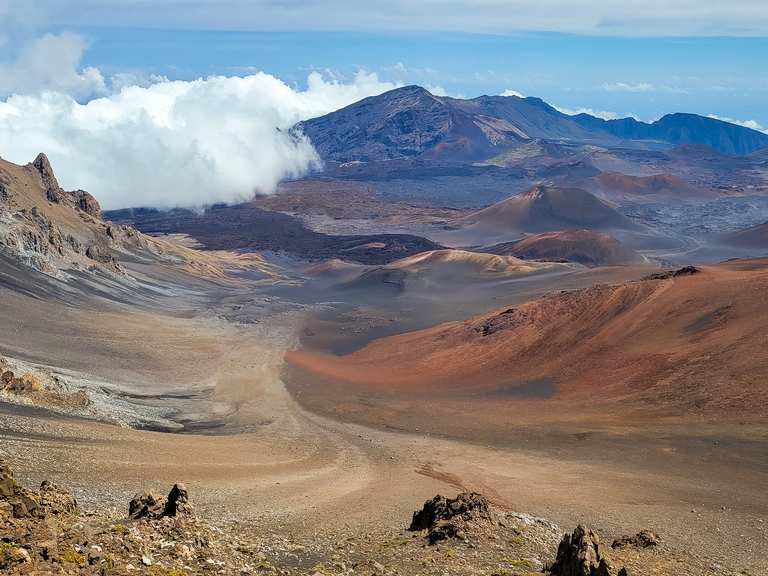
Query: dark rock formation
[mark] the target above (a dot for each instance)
(178, 501)
(56, 500)
(43, 166)
(247, 227)
(643, 539)
(150, 505)
(449, 517)
(87, 203)
(17, 501)
(579, 555)
(667, 274)
(146, 505)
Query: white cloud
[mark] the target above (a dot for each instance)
(176, 143)
(604, 114)
(509, 92)
(628, 87)
(51, 63)
(641, 87)
(753, 124)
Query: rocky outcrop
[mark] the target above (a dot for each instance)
(56, 500)
(79, 199)
(17, 501)
(43, 237)
(643, 539)
(146, 505)
(667, 274)
(151, 506)
(44, 168)
(23, 384)
(87, 203)
(580, 554)
(445, 518)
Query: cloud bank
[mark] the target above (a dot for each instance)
(168, 143)
(51, 62)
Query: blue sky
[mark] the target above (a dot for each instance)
(109, 89)
(647, 77)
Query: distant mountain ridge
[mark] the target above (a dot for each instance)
(410, 122)
(680, 128)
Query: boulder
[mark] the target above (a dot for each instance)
(150, 505)
(56, 500)
(446, 518)
(468, 505)
(7, 377)
(178, 501)
(19, 501)
(579, 555)
(146, 505)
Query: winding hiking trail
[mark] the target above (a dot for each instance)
(266, 461)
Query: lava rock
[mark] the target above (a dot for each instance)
(56, 500)
(146, 505)
(178, 501)
(468, 505)
(579, 555)
(666, 275)
(446, 518)
(643, 539)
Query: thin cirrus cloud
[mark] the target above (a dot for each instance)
(640, 87)
(628, 87)
(596, 17)
(163, 143)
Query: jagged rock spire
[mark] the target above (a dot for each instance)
(43, 166)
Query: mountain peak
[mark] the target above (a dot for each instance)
(44, 168)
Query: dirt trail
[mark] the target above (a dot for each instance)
(292, 470)
(276, 466)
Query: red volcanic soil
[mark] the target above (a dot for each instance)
(676, 347)
(583, 246)
(615, 185)
(754, 237)
(548, 208)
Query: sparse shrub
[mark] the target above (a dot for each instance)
(119, 528)
(72, 556)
